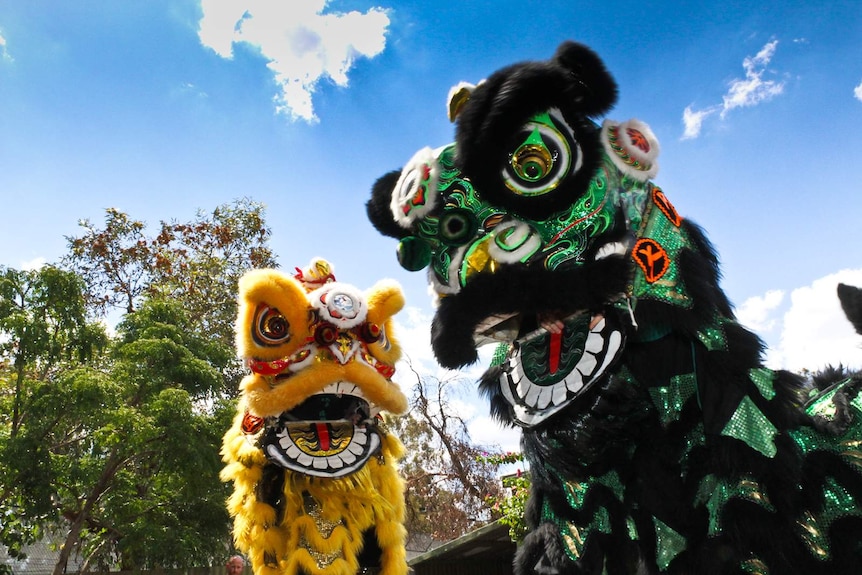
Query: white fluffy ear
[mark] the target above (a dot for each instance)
(458, 96)
(633, 148)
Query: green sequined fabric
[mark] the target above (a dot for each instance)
(574, 536)
(748, 424)
(669, 400)
(661, 231)
(669, 544)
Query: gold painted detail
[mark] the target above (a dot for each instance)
(324, 528)
(813, 536)
(340, 435)
(754, 566)
(574, 542)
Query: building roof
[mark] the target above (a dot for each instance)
(488, 549)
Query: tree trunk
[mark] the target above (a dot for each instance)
(112, 464)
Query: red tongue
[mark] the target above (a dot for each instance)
(554, 352)
(323, 436)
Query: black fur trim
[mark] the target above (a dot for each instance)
(526, 290)
(378, 206)
(851, 303)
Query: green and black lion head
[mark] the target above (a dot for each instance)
(522, 217)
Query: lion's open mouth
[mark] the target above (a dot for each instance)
(545, 372)
(331, 434)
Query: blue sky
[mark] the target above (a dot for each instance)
(164, 107)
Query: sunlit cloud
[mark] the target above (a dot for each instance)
(754, 313)
(857, 91)
(751, 90)
(301, 43)
(814, 332)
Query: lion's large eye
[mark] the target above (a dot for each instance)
(270, 328)
(457, 226)
(546, 153)
(532, 162)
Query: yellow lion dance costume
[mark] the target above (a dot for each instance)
(316, 490)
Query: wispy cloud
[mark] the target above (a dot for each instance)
(693, 120)
(4, 52)
(857, 91)
(751, 90)
(301, 43)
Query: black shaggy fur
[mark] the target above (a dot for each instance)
(501, 104)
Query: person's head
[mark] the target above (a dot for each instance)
(235, 565)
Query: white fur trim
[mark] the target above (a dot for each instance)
(419, 176)
(633, 148)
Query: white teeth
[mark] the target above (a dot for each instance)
(545, 396)
(594, 345)
(614, 342)
(574, 382)
(598, 327)
(319, 463)
(560, 393)
(587, 364)
(524, 385)
(347, 457)
(305, 459)
(287, 454)
(611, 249)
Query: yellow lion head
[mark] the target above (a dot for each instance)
(321, 357)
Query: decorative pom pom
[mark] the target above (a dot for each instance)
(415, 192)
(633, 148)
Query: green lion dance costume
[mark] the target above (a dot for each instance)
(657, 441)
(316, 490)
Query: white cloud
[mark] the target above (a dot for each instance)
(753, 89)
(4, 52)
(412, 330)
(488, 432)
(301, 44)
(743, 92)
(857, 91)
(34, 264)
(694, 120)
(815, 332)
(754, 312)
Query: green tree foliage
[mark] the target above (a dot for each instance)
(43, 331)
(512, 504)
(113, 440)
(121, 455)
